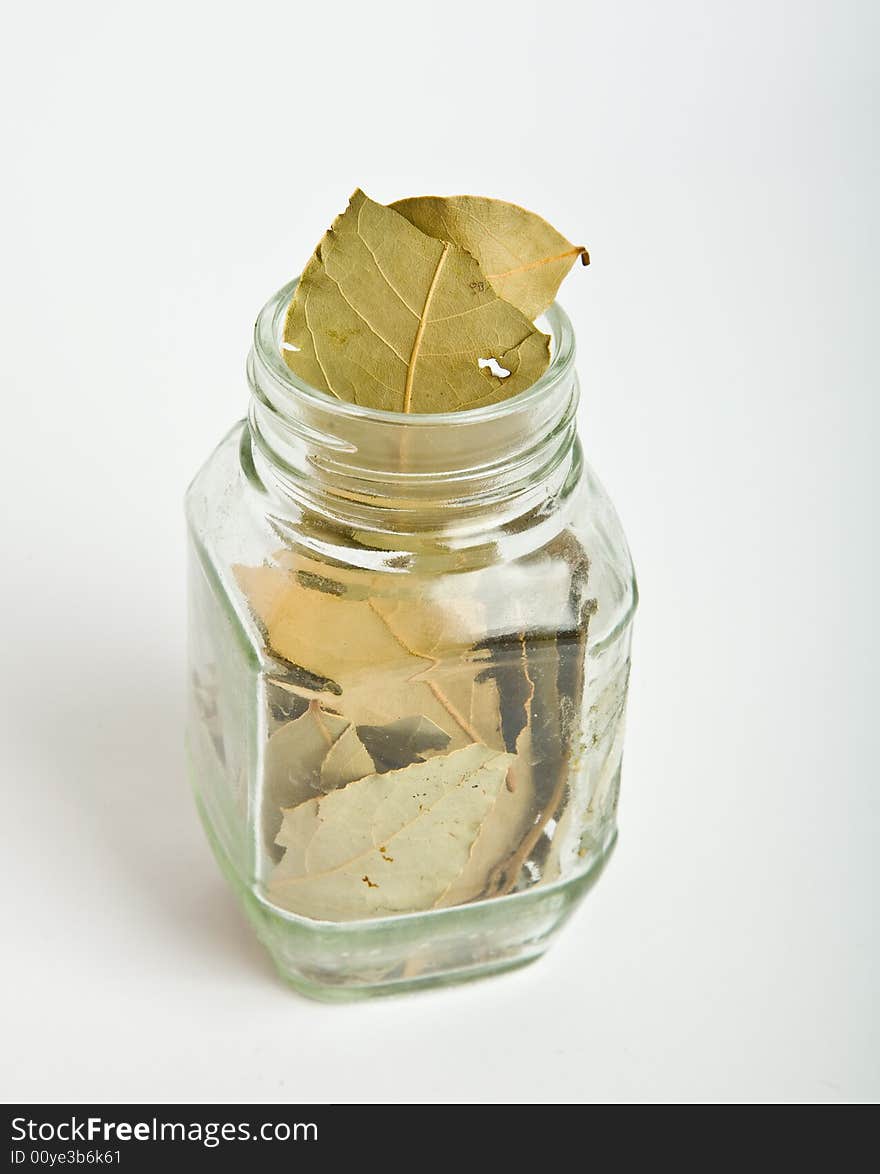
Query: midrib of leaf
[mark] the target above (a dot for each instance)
(465, 778)
(576, 251)
(420, 329)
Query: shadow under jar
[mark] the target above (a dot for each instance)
(409, 655)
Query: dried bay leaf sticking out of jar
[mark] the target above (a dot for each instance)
(389, 843)
(389, 317)
(524, 258)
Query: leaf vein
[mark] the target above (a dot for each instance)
(314, 339)
(467, 775)
(378, 265)
(373, 329)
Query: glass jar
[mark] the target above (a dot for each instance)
(409, 655)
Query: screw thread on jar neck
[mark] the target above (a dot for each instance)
(409, 472)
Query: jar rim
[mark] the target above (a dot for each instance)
(267, 331)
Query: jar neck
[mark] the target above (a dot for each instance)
(453, 473)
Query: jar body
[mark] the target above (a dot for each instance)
(405, 741)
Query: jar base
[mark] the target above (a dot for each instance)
(346, 961)
(327, 993)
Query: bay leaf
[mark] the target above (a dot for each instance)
(402, 742)
(320, 632)
(389, 843)
(389, 317)
(435, 640)
(540, 674)
(524, 257)
(503, 830)
(518, 809)
(292, 766)
(339, 642)
(346, 760)
(284, 703)
(445, 632)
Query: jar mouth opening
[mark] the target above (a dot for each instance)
(267, 348)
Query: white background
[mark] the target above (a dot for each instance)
(166, 168)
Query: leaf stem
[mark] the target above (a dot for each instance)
(452, 711)
(507, 876)
(575, 251)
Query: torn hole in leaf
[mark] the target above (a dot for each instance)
(494, 367)
(289, 346)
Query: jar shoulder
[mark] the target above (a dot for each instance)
(217, 485)
(568, 566)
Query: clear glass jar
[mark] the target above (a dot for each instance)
(409, 655)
